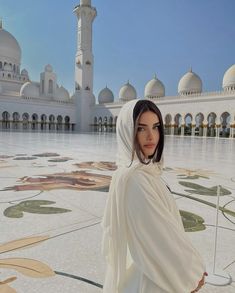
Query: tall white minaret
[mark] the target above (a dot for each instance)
(84, 65)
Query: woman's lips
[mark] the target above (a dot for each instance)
(149, 146)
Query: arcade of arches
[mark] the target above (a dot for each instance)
(210, 125)
(35, 122)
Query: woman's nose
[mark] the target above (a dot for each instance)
(150, 135)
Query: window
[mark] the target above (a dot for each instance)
(42, 86)
(50, 88)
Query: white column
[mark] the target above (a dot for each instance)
(193, 129)
(182, 129)
(217, 129)
(204, 125)
(172, 129)
(232, 126)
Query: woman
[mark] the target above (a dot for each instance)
(144, 243)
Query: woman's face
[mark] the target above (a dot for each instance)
(148, 133)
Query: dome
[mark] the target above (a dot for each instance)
(229, 79)
(30, 89)
(127, 92)
(190, 83)
(48, 68)
(24, 72)
(154, 89)
(62, 94)
(9, 47)
(105, 96)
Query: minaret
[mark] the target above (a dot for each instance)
(84, 65)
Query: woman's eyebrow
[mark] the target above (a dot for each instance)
(142, 124)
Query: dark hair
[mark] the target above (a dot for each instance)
(140, 107)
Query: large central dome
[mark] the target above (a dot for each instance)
(9, 47)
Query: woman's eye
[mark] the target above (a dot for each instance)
(156, 127)
(140, 128)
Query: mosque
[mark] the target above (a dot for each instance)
(46, 106)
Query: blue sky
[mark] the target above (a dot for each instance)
(132, 40)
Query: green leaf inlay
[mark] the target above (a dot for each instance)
(34, 207)
(202, 190)
(192, 222)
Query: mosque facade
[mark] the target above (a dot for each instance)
(46, 106)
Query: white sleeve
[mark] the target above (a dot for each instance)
(157, 243)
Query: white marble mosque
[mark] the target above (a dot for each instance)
(53, 183)
(46, 106)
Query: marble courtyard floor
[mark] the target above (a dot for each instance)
(53, 189)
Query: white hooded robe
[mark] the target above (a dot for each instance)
(144, 242)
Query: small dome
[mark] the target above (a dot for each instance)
(154, 89)
(62, 94)
(9, 47)
(24, 72)
(105, 96)
(48, 68)
(127, 92)
(30, 89)
(190, 83)
(229, 79)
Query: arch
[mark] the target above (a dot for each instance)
(16, 120)
(9, 75)
(52, 118)
(225, 119)
(50, 86)
(51, 122)
(67, 123)
(95, 124)
(5, 116)
(0, 64)
(100, 124)
(14, 68)
(105, 124)
(178, 123)
(167, 120)
(43, 121)
(16, 116)
(188, 124)
(211, 127)
(25, 121)
(199, 118)
(5, 120)
(59, 122)
(34, 118)
(25, 117)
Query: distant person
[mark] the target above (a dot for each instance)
(144, 242)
